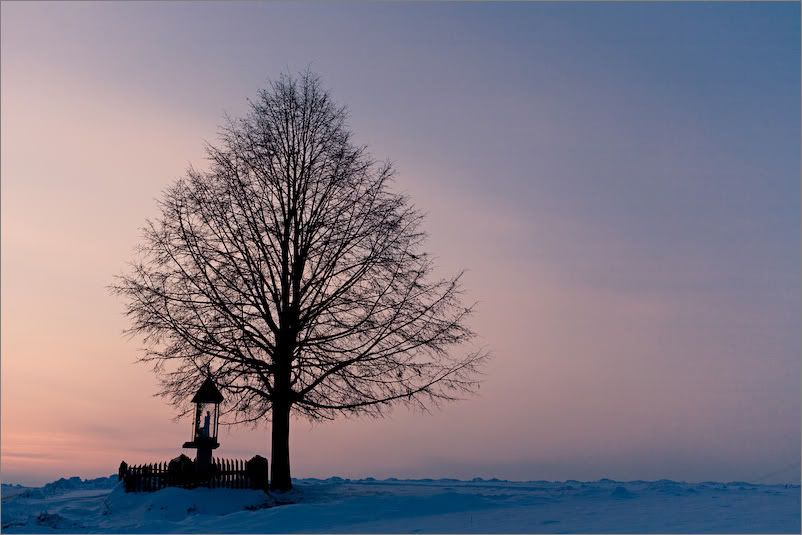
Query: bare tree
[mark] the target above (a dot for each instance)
(292, 273)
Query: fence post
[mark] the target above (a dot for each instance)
(122, 471)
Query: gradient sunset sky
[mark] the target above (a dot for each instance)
(622, 182)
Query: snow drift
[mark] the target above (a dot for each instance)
(407, 506)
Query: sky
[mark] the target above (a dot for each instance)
(620, 181)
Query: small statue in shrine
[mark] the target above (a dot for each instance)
(206, 425)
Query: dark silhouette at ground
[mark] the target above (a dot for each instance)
(204, 470)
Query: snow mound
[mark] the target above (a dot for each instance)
(56, 522)
(621, 493)
(173, 503)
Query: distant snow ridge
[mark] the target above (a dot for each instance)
(60, 486)
(672, 488)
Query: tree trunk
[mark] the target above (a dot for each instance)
(280, 468)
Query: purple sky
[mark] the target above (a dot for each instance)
(622, 182)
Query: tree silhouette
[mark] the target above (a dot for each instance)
(292, 273)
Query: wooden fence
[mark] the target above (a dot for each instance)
(223, 473)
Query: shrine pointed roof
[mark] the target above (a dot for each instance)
(208, 393)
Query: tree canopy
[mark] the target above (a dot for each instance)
(292, 272)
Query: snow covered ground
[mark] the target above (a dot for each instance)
(395, 506)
